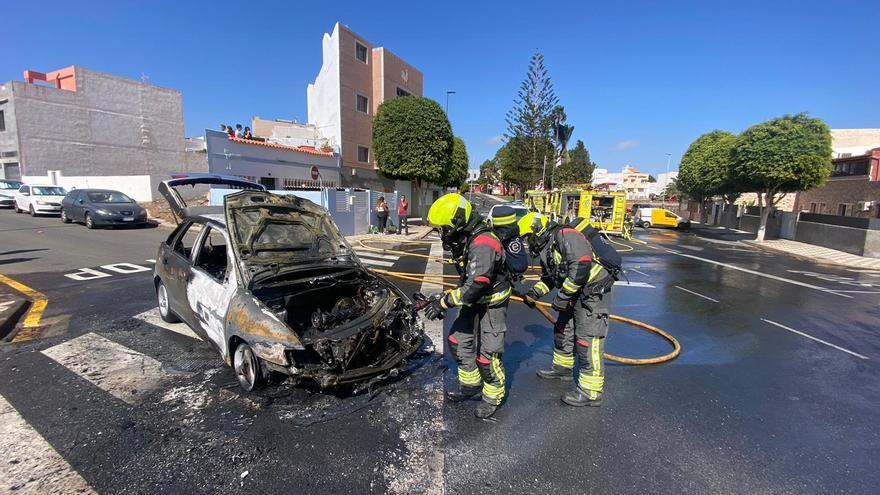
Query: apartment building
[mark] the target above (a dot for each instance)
(355, 78)
(81, 128)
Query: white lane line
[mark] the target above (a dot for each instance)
(653, 247)
(753, 272)
(373, 254)
(126, 374)
(153, 318)
(368, 261)
(856, 354)
(30, 464)
(857, 291)
(696, 294)
(639, 272)
(623, 283)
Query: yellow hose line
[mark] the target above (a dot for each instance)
(542, 308)
(627, 246)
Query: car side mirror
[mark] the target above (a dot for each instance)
(79, 201)
(25, 194)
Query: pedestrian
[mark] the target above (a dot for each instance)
(567, 263)
(223, 129)
(402, 212)
(230, 131)
(247, 133)
(238, 131)
(476, 338)
(382, 213)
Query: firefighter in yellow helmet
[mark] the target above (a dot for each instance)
(476, 338)
(567, 264)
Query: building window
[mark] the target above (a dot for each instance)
(843, 207)
(850, 168)
(249, 178)
(360, 51)
(363, 154)
(2, 121)
(9, 154)
(402, 92)
(363, 104)
(814, 208)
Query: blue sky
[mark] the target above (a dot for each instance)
(637, 79)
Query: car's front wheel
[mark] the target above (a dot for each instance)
(247, 368)
(646, 225)
(90, 223)
(64, 217)
(32, 212)
(165, 305)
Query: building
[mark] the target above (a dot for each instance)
(274, 165)
(80, 128)
(663, 180)
(853, 142)
(291, 133)
(853, 190)
(356, 77)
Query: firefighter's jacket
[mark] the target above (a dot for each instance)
(567, 263)
(483, 279)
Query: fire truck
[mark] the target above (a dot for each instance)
(606, 210)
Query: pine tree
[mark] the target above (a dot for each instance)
(530, 125)
(577, 170)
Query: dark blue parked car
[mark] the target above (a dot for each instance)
(101, 208)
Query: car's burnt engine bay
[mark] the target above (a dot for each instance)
(352, 324)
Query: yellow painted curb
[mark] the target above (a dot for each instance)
(32, 319)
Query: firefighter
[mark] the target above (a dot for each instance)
(581, 327)
(476, 337)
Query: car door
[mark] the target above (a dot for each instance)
(21, 199)
(178, 269)
(212, 285)
(74, 208)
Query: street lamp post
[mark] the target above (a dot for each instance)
(666, 179)
(448, 92)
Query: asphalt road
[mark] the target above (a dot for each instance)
(775, 391)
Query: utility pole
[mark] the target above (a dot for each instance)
(543, 174)
(448, 92)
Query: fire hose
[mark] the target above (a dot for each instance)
(540, 306)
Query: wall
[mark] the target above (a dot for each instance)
(228, 157)
(843, 190)
(323, 94)
(355, 78)
(9, 137)
(138, 187)
(847, 239)
(854, 141)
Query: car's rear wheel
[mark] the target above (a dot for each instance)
(165, 305)
(32, 212)
(90, 223)
(247, 368)
(64, 217)
(646, 225)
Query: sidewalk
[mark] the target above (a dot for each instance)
(817, 253)
(416, 232)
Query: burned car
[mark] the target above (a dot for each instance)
(270, 282)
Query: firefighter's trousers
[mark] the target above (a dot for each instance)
(476, 340)
(582, 330)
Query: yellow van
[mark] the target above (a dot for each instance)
(660, 217)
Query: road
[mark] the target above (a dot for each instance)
(775, 390)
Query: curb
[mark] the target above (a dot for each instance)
(11, 313)
(815, 259)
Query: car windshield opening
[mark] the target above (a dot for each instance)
(9, 185)
(109, 197)
(48, 191)
(269, 233)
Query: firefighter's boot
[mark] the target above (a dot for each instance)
(485, 410)
(464, 393)
(577, 398)
(556, 373)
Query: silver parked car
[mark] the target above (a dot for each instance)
(270, 282)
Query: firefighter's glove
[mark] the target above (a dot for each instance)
(562, 302)
(435, 308)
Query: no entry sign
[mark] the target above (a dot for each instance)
(315, 173)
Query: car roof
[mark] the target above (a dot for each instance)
(99, 190)
(205, 214)
(43, 185)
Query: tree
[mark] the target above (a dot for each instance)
(578, 169)
(561, 133)
(458, 174)
(412, 140)
(705, 169)
(530, 122)
(512, 160)
(651, 178)
(782, 155)
(489, 172)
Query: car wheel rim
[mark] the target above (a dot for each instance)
(88, 221)
(63, 216)
(244, 366)
(163, 300)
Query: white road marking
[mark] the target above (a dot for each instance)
(856, 354)
(753, 272)
(696, 293)
(150, 261)
(126, 268)
(126, 374)
(30, 464)
(624, 283)
(373, 254)
(653, 247)
(368, 261)
(153, 318)
(86, 274)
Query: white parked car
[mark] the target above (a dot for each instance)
(38, 199)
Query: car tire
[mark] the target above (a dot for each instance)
(90, 224)
(247, 368)
(64, 217)
(646, 225)
(16, 208)
(31, 211)
(165, 312)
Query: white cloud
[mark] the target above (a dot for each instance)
(492, 141)
(629, 144)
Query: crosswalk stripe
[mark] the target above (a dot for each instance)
(372, 254)
(126, 374)
(368, 261)
(30, 464)
(153, 318)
